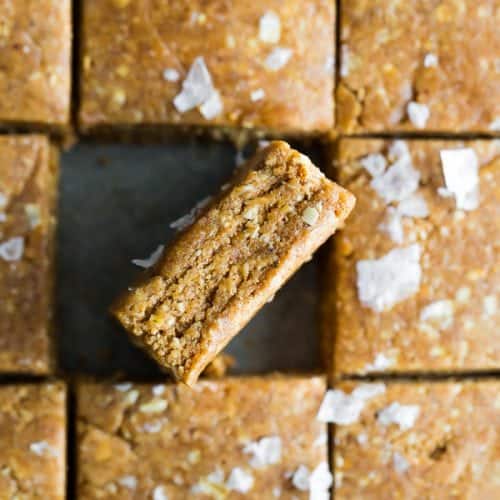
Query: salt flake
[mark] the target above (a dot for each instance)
(381, 363)
(266, 451)
(212, 107)
(418, 114)
(431, 60)
(240, 480)
(12, 250)
(403, 415)
(270, 27)
(186, 220)
(375, 164)
(42, 448)
(440, 311)
(171, 75)
(257, 95)
(384, 282)
(278, 58)
(160, 493)
(398, 182)
(321, 479)
(413, 206)
(401, 465)
(461, 176)
(341, 408)
(129, 482)
(151, 260)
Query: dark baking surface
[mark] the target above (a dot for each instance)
(116, 204)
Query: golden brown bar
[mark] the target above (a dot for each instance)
(33, 438)
(216, 276)
(428, 66)
(413, 282)
(254, 66)
(35, 64)
(249, 437)
(28, 192)
(416, 440)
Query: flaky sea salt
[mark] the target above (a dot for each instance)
(270, 27)
(318, 481)
(430, 60)
(384, 282)
(461, 176)
(42, 448)
(345, 59)
(403, 415)
(151, 260)
(198, 91)
(12, 250)
(495, 125)
(129, 482)
(398, 182)
(212, 107)
(380, 363)
(375, 164)
(240, 480)
(440, 311)
(257, 95)
(171, 75)
(186, 220)
(413, 206)
(393, 225)
(160, 493)
(123, 387)
(418, 114)
(401, 465)
(278, 58)
(266, 451)
(341, 408)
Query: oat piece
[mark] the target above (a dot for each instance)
(248, 67)
(429, 300)
(35, 71)
(33, 437)
(28, 191)
(427, 67)
(222, 269)
(219, 439)
(421, 440)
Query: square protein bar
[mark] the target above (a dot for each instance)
(33, 437)
(428, 66)
(28, 192)
(413, 282)
(35, 65)
(147, 66)
(251, 437)
(415, 440)
(238, 253)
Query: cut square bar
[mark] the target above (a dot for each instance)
(251, 437)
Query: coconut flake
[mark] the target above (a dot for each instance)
(12, 250)
(266, 451)
(341, 408)
(401, 465)
(186, 220)
(418, 114)
(171, 75)
(461, 176)
(403, 415)
(384, 282)
(270, 27)
(431, 60)
(151, 260)
(278, 58)
(398, 182)
(375, 164)
(240, 480)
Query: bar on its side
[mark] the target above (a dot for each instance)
(249, 437)
(215, 277)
